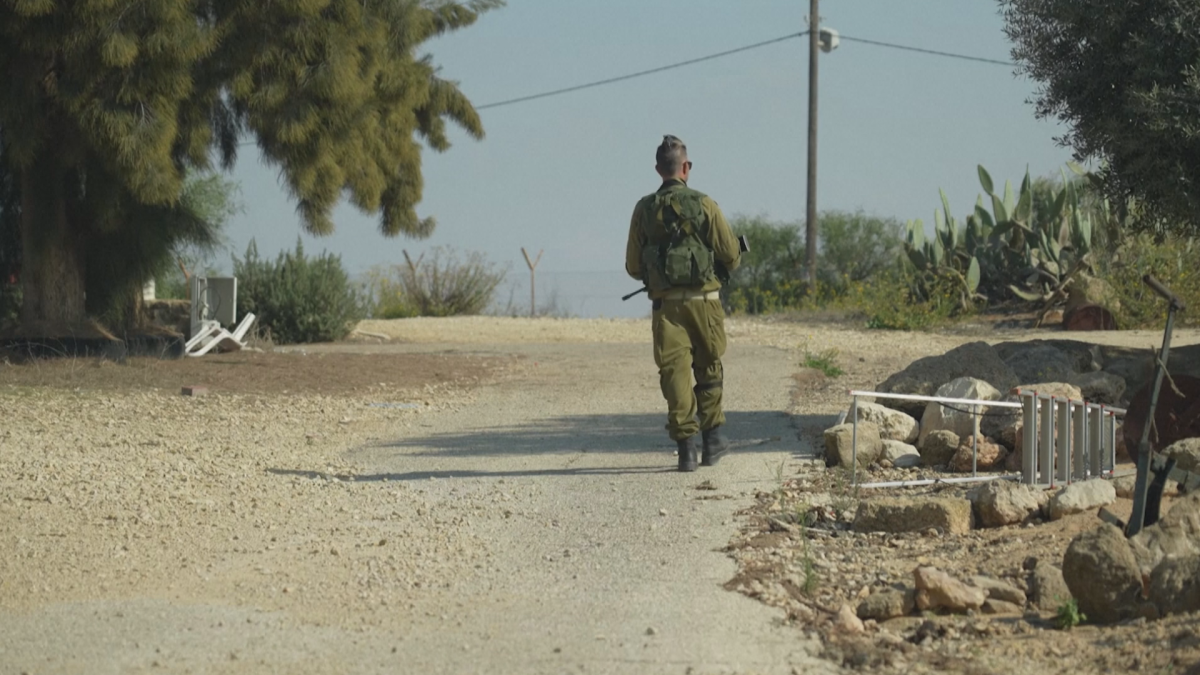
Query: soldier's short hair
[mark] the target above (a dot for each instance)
(671, 155)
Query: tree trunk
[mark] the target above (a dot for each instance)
(52, 266)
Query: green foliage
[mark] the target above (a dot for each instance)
(853, 248)
(1029, 245)
(448, 284)
(1124, 77)
(214, 200)
(126, 99)
(1173, 261)
(1069, 615)
(298, 298)
(889, 302)
(824, 361)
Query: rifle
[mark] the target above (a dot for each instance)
(722, 273)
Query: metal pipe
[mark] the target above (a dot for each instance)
(1062, 409)
(854, 442)
(1029, 446)
(1080, 461)
(934, 481)
(937, 399)
(975, 441)
(1046, 442)
(1095, 424)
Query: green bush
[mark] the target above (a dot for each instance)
(1172, 260)
(298, 298)
(887, 302)
(853, 248)
(447, 284)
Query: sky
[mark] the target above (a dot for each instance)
(561, 174)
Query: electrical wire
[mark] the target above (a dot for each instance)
(642, 73)
(932, 52)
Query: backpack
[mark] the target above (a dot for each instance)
(674, 255)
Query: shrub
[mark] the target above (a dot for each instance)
(853, 248)
(447, 284)
(887, 302)
(298, 298)
(1173, 261)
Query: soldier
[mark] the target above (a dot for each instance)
(680, 246)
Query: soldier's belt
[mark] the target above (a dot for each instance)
(684, 294)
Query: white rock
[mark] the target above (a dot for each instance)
(940, 418)
(901, 455)
(1083, 496)
(893, 424)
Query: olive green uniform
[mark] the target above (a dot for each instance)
(689, 323)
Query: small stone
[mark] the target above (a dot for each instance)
(662, 512)
(994, 606)
(651, 631)
(938, 448)
(938, 590)
(901, 455)
(1047, 588)
(847, 621)
(194, 391)
(1003, 502)
(983, 455)
(1083, 496)
(950, 515)
(998, 590)
(840, 445)
(887, 604)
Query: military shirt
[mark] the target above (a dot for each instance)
(714, 231)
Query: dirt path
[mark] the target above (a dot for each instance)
(530, 526)
(475, 496)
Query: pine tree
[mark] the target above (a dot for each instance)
(105, 106)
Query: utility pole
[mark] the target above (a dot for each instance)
(532, 280)
(810, 236)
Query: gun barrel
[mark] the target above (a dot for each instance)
(643, 289)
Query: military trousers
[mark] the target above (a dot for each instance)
(689, 340)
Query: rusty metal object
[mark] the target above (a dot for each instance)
(1175, 417)
(1088, 317)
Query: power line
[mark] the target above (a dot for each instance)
(642, 73)
(926, 51)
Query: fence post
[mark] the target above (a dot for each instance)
(1029, 446)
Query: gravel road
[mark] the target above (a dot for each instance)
(531, 525)
(528, 524)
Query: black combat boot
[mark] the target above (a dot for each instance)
(687, 454)
(715, 446)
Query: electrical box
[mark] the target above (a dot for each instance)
(214, 299)
(827, 39)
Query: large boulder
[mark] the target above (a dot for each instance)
(1175, 535)
(1134, 366)
(1058, 389)
(1083, 496)
(839, 445)
(1088, 290)
(1175, 585)
(893, 424)
(1103, 575)
(982, 455)
(955, 417)
(1004, 502)
(951, 515)
(1099, 387)
(938, 448)
(1186, 454)
(925, 375)
(901, 455)
(1083, 356)
(1041, 363)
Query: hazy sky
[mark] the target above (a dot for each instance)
(562, 173)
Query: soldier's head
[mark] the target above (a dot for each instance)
(672, 159)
